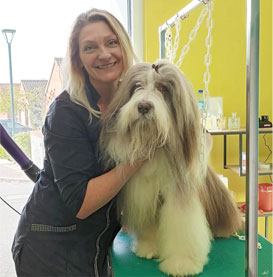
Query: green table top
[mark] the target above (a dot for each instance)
(227, 258)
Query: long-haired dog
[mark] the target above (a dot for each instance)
(175, 203)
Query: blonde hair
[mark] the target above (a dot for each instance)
(73, 73)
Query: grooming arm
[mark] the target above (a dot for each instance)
(30, 169)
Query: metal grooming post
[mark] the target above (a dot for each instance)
(252, 126)
(183, 13)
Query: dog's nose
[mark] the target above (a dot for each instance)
(144, 107)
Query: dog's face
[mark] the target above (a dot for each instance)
(148, 114)
(154, 106)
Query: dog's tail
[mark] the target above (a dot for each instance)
(222, 213)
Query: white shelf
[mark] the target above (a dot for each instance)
(236, 169)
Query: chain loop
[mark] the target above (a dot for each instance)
(171, 50)
(206, 77)
(208, 59)
(192, 36)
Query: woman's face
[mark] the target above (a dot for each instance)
(100, 54)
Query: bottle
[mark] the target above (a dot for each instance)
(200, 100)
(234, 122)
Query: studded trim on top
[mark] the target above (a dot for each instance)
(55, 229)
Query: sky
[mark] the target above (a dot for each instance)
(42, 31)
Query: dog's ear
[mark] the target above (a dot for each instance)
(187, 115)
(190, 130)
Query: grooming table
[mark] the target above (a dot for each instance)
(227, 258)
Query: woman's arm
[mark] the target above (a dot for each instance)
(102, 189)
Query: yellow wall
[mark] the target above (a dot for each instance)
(228, 68)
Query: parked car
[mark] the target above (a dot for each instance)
(7, 124)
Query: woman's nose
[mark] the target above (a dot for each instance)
(104, 53)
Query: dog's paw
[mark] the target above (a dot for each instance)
(181, 266)
(145, 250)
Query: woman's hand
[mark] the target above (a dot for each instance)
(102, 189)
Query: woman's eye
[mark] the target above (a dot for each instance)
(113, 42)
(89, 48)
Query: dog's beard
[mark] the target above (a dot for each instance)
(138, 134)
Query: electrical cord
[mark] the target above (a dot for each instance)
(268, 147)
(9, 205)
(270, 153)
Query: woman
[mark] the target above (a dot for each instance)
(70, 221)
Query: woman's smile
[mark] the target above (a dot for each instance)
(106, 66)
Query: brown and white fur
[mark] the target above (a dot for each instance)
(175, 204)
